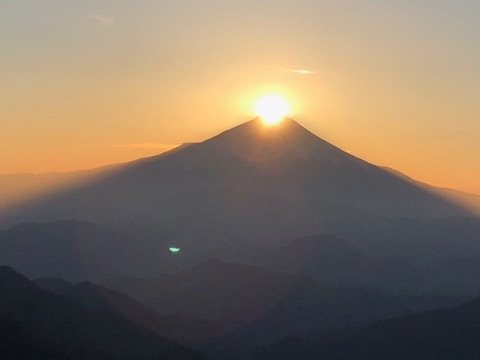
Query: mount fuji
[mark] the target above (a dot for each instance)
(251, 181)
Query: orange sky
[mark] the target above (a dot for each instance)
(104, 81)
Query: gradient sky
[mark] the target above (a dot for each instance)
(91, 82)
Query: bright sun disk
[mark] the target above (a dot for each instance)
(272, 109)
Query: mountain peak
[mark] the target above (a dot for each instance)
(257, 142)
(255, 129)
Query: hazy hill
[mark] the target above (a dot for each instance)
(409, 256)
(326, 258)
(67, 327)
(73, 250)
(421, 259)
(101, 299)
(265, 305)
(449, 334)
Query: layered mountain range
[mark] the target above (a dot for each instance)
(253, 195)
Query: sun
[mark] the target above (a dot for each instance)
(271, 109)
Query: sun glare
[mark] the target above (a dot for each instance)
(272, 109)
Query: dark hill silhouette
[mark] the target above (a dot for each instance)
(101, 299)
(448, 334)
(70, 328)
(248, 183)
(17, 342)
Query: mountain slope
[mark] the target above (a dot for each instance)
(469, 200)
(77, 330)
(327, 259)
(101, 299)
(449, 334)
(260, 304)
(17, 342)
(78, 251)
(73, 250)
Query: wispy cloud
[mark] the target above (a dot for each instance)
(299, 71)
(145, 146)
(102, 19)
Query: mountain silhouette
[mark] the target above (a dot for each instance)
(325, 257)
(249, 183)
(253, 303)
(70, 330)
(446, 334)
(100, 299)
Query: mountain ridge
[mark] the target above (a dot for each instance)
(76, 330)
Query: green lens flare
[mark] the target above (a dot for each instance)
(174, 249)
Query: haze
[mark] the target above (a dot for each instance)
(89, 83)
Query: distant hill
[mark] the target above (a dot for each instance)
(326, 258)
(449, 334)
(403, 256)
(101, 299)
(66, 329)
(430, 266)
(262, 305)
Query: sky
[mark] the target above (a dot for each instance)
(93, 82)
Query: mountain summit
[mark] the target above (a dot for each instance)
(255, 139)
(254, 142)
(250, 182)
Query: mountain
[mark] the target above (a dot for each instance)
(100, 299)
(327, 259)
(73, 250)
(69, 330)
(253, 303)
(17, 342)
(249, 183)
(333, 261)
(226, 293)
(471, 201)
(447, 334)
(78, 250)
(402, 256)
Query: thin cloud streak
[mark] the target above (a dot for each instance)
(299, 71)
(102, 19)
(145, 146)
